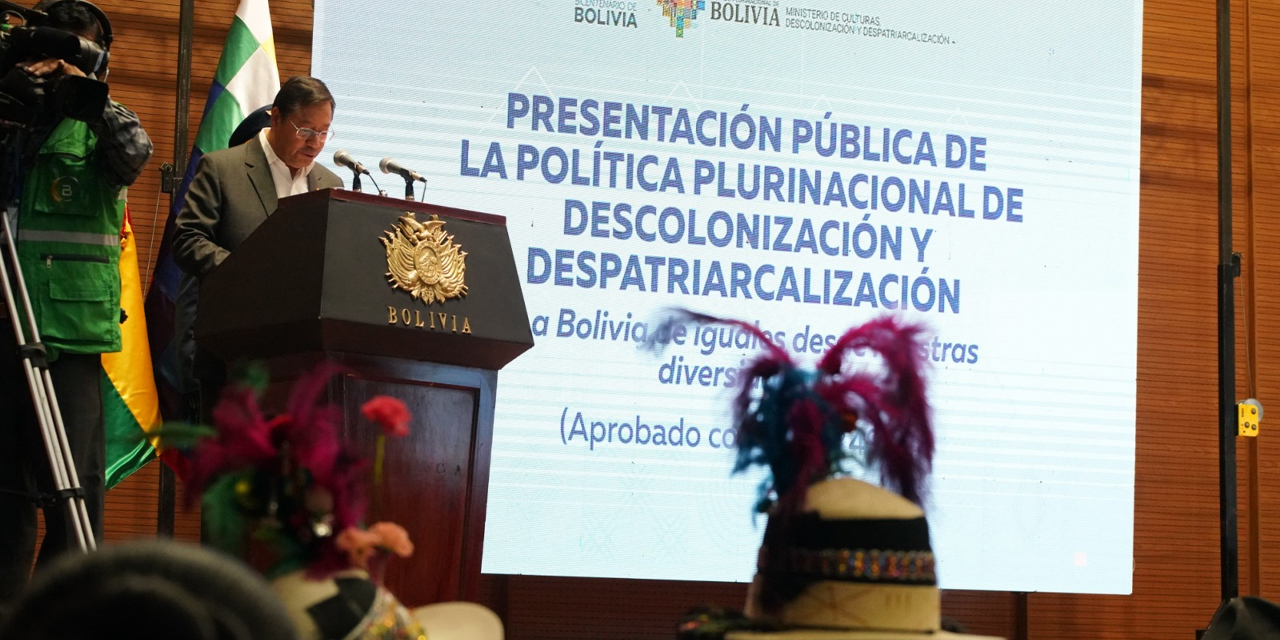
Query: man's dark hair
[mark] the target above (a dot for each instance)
(69, 15)
(148, 589)
(300, 92)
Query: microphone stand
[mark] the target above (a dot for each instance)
(408, 189)
(355, 182)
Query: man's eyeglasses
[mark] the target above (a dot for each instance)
(307, 134)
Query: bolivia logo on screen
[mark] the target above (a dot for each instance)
(622, 13)
(681, 13)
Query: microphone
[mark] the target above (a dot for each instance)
(391, 166)
(344, 159)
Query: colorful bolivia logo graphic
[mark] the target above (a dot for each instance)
(682, 13)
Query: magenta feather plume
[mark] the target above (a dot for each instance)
(244, 440)
(795, 421)
(297, 479)
(894, 402)
(313, 429)
(772, 351)
(807, 446)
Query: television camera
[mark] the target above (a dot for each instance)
(24, 35)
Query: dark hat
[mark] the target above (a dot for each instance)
(1244, 618)
(256, 121)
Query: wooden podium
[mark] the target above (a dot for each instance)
(313, 283)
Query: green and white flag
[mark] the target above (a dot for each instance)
(246, 79)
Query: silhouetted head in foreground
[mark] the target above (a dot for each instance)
(148, 590)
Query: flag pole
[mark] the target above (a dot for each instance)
(1227, 271)
(186, 22)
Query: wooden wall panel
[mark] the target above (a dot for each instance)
(1176, 564)
(144, 77)
(1176, 550)
(1262, 279)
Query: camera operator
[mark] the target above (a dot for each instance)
(71, 184)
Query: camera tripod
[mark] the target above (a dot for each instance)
(32, 351)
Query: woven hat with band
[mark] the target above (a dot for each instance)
(841, 558)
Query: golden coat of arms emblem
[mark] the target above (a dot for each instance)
(423, 260)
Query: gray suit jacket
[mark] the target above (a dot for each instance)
(231, 194)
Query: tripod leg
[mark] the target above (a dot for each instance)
(78, 378)
(41, 387)
(54, 437)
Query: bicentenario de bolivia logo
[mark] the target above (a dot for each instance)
(605, 13)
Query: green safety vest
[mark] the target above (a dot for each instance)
(69, 223)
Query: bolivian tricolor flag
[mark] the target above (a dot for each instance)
(246, 79)
(130, 406)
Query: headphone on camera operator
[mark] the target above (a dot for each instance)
(104, 35)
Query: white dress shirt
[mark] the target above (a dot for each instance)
(286, 183)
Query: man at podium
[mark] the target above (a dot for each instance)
(234, 190)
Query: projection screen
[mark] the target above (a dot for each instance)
(805, 166)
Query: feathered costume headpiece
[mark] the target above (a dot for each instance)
(289, 481)
(797, 425)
